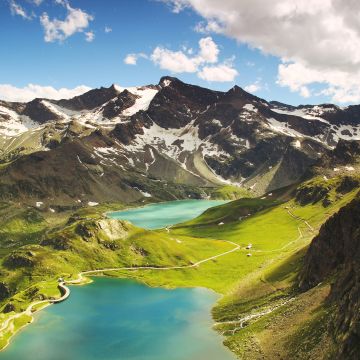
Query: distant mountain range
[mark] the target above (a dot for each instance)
(119, 143)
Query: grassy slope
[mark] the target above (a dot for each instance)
(32, 266)
(265, 280)
(249, 284)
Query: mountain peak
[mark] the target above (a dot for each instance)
(114, 87)
(167, 80)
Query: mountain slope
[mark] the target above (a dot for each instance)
(335, 252)
(172, 131)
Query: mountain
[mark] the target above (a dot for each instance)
(284, 255)
(335, 253)
(174, 132)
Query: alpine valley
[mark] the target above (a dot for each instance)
(283, 250)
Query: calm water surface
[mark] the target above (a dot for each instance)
(156, 216)
(124, 320)
(121, 319)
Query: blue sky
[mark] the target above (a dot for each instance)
(64, 58)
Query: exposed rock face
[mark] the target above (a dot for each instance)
(36, 109)
(336, 252)
(345, 152)
(174, 105)
(311, 194)
(116, 106)
(19, 259)
(9, 307)
(172, 131)
(127, 131)
(113, 229)
(91, 99)
(4, 291)
(348, 184)
(58, 243)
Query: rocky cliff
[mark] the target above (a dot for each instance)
(334, 255)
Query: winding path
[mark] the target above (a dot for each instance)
(66, 291)
(255, 316)
(80, 276)
(301, 219)
(29, 310)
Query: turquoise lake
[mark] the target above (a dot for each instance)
(125, 320)
(121, 319)
(156, 216)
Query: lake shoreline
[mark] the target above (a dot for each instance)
(89, 281)
(102, 272)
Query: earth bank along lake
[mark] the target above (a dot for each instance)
(122, 319)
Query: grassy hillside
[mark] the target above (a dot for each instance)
(260, 298)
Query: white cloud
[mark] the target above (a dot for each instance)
(17, 9)
(37, 2)
(108, 29)
(131, 59)
(32, 91)
(209, 51)
(341, 86)
(207, 27)
(185, 61)
(219, 73)
(76, 21)
(321, 37)
(89, 36)
(174, 61)
(177, 5)
(254, 87)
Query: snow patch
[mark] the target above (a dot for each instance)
(13, 124)
(283, 128)
(250, 107)
(92, 203)
(145, 96)
(144, 193)
(297, 144)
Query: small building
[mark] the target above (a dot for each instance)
(248, 255)
(249, 246)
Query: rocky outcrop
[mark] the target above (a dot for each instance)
(348, 184)
(19, 259)
(90, 99)
(109, 138)
(60, 242)
(310, 193)
(335, 254)
(4, 291)
(39, 112)
(176, 104)
(116, 106)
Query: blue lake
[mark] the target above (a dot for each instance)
(156, 216)
(121, 319)
(125, 320)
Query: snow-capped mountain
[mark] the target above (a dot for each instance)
(127, 140)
